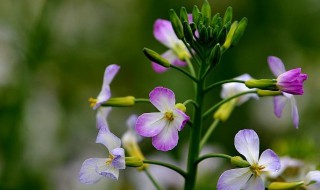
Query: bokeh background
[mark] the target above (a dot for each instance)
(52, 57)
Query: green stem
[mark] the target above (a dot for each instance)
(226, 100)
(208, 133)
(190, 51)
(213, 156)
(190, 66)
(141, 100)
(184, 72)
(210, 87)
(170, 166)
(154, 182)
(192, 102)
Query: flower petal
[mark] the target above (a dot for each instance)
(131, 122)
(163, 32)
(150, 124)
(180, 119)
(313, 178)
(172, 58)
(254, 183)
(101, 117)
(234, 179)
(276, 65)
(294, 112)
(119, 160)
(158, 68)
(167, 139)
(88, 172)
(247, 143)
(108, 139)
(163, 99)
(109, 171)
(278, 104)
(270, 161)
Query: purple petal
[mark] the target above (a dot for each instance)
(88, 172)
(109, 171)
(119, 160)
(163, 32)
(167, 139)
(163, 99)
(270, 161)
(158, 68)
(294, 112)
(131, 122)
(247, 143)
(278, 104)
(150, 124)
(180, 119)
(101, 118)
(234, 179)
(313, 178)
(254, 183)
(108, 139)
(276, 65)
(292, 81)
(173, 59)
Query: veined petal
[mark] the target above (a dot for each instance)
(119, 160)
(276, 65)
(88, 172)
(313, 178)
(109, 171)
(247, 143)
(294, 112)
(254, 183)
(150, 124)
(167, 139)
(163, 32)
(101, 117)
(108, 139)
(270, 161)
(180, 119)
(234, 179)
(163, 99)
(278, 104)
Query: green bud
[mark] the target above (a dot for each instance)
(239, 162)
(215, 55)
(238, 33)
(215, 20)
(195, 14)
(285, 185)
(262, 93)
(264, 84)
(133, 162)
(203, 34)
(222, 35)
(206, 12)
(176, 24)
(188, 32)
(193, 27)
(183, 15)
(225, 110)
(230, 34)
(120, 101)
(155, 57)
(181, 107)
(227, 15)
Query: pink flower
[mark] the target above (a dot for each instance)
(162, 126)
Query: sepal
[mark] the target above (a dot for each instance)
(239, 162)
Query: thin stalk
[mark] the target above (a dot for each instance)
(170, 166)
(192, 102)
(191, 51)
(184, 72)
(226, 100)
(212, 86)
(154, 182)
(208, 133)
(190, 66)
(141, 100)
(213, 156)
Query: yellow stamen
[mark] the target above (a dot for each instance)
(169, 115)
(256, 169)
(93, 102)
(110, 159)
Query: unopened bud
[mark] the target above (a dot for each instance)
(196, 14)
(230, 34)
(227, 15)
(262, 93)
(206, 12)
(285, 185)
(181, 107)
(155, 57)
(225, 110)
(215, 55)
(183, 15)
(120, 101)
(238, 33)
(188, 32)
(264, 84)
(239, 162)
(176, 24)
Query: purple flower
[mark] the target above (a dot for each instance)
(93, 169)
(162, 126)
(105, 93)
(247, 143)
(312, 180)
(164, 33)
(290, 82)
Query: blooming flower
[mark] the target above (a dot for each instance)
(162, 126)
(312, 180)
(93, 169)
(247, 143)
(105, 93)
(290, 82)
(164, 33)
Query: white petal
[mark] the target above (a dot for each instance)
(163, 99)
(89, 171)
(270, 161)
(234, 179)
(108, 139)
(167, 139)
(294, 112)
(131, 122)
(163, 32)
(180, 119)
(313, 177)
(101, 117)
(278, 104)
(109, 171)
(254, 183)
(247, 143)
(150, 124)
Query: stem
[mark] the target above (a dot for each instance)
(184, 72)
(226, 100)
(141, 100)
(170, 166)
(190, 66)
(208, 133)
(210, 87)
(154, 182)
(192, 102)
(190, 51)
(213, 156)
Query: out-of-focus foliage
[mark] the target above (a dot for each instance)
(52, 58)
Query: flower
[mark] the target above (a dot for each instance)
(164, 33)
(105, 93)
(312, 180)
(247, 143)
(290, 82)
(93, 169)
(162, 126)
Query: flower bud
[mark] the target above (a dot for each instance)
(216, 21)
(222, 35)
(196, 14)
(262, 93)
(133, 162)
(181, 107)
(285, 185)
(215, 55)
(204, 36)
(238, 33)
(225, 110)
(206, 12)
(227, 15)
(239, 162)
(176, 24)
(265, 84)
(155, 57)
(183, 15)
(188, 32)
(120, 101)
(230, 34)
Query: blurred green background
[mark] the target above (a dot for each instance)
(53, 54)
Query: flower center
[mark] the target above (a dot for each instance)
(180, 51)
(169, 115)
(110, 159)
(93, 102)
(256, 169)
